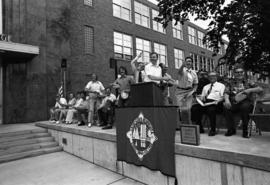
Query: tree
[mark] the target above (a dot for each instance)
(243, 21)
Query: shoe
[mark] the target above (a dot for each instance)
(107, 127)
(212, 133)
(57, 122)
(245, 135)
(230, 133)
(89, 125)
(202, 131)
(81, 123)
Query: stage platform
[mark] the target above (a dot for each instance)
(218, 160)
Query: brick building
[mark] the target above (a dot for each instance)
(88, 34)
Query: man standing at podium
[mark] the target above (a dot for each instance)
(153, 72)
(186, 85)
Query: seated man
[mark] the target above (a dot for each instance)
(238, 99)
(106, 109)
(211, 98)
(59, 105)
(82, 110)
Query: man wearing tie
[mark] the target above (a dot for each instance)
(212, 96)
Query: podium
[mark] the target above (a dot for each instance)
(146, 94)
(145, 130)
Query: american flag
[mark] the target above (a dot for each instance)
(61, 91)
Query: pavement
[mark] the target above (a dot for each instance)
(58, 168)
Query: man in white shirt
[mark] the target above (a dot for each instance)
(153, 72)
(94, 89)
(213, 95)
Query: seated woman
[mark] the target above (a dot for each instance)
(72, 110)
(82, 110)
(70, 104)
(106, 109)
(59, 105)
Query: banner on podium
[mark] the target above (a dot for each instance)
(146, 137)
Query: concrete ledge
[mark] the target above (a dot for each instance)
(214, 162)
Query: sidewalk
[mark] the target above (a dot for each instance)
(58, 169)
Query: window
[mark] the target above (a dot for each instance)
(192, 38)
(145, 47)
(212, 65)
(196, 66)
(142, 15)
(200, 39)
(177, 30)
(122, 46)
(162, 53)
(88, 39)
(122, 9)
(209, 67)
(88, 2)
(178, 58)
(156, 25)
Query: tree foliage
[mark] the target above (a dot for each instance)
(245, 22)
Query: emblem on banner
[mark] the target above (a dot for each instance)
(141, 136)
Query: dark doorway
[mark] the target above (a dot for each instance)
(14, 99)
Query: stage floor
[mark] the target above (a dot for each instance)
(253, 152)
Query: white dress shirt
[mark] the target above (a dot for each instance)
(216, 93)
(96, 86)
(153, 70)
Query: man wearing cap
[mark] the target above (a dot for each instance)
(212, 96)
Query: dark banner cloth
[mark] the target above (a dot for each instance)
(146, 137)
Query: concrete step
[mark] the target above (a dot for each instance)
(3, 140)
(23, 132)
(7, 145)
(24, 148)
(32, 153)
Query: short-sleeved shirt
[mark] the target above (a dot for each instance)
(63, 101)
(188, 78)
(124, 82)
(96, 86)
(215, 93)
(153, 70)
(233, 88)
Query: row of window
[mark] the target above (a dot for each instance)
(202, 63)
(122, 9)
(123, 48)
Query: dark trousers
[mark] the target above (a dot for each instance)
(123, 102)
(211, 111)
(244, 108)
(106, 115)
(82, 115)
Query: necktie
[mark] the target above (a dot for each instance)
(140, 77)
(209, 90)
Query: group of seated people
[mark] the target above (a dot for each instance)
(236, 95)
(80, 109)
(95, 105)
